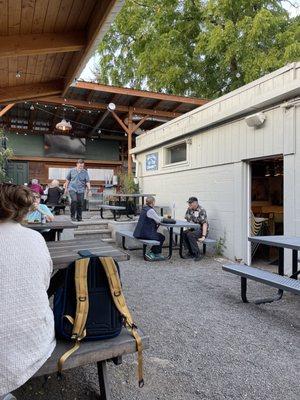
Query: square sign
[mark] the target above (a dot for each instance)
(152, 162)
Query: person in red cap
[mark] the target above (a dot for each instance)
(196, 214)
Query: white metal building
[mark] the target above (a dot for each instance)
(208, 153)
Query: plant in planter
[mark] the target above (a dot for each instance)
(5, 154)
(128, 186)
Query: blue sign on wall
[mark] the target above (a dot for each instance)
(152, 162)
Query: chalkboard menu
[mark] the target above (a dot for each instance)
(152, 162)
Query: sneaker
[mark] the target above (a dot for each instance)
(198, 257)
(9, 396)
(150, 256)
(73, 219)
(79, 219)
(188, 256)
(159, 257)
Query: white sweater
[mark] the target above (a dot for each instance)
(26, 320)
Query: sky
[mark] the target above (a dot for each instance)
(87, 74)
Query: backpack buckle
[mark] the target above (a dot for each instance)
(82, 298)
(117, 293)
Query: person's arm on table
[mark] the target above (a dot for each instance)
(153, 215)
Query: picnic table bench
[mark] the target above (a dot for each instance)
(145, 242)
(99, 352)
(113, 209)
(282, 283)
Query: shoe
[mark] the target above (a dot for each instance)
(150, 256)
(159, 257)
(198, 257)
(188, 256)
(9, 396)
(79, 219)
(73, 219)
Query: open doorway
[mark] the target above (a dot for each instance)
(267, 208)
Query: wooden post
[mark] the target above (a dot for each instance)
(129, 140)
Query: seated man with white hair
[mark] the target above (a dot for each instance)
(146, 228)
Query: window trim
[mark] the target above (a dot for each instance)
(179, 163)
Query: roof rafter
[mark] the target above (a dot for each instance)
(42, 43)
(30, 91)
(103, 106)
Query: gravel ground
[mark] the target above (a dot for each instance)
(204, 342)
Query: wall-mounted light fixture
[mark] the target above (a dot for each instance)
(255, 120)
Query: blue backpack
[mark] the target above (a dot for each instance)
(90, 305)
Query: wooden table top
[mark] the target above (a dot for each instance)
(66, 251)
(288, 242)
(60, 224)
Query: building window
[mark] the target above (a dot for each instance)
(176, 153)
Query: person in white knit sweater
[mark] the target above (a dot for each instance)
(27, 336)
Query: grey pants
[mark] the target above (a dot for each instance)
(76, 204)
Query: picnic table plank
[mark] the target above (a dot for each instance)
(92, 352)
(60, 224)
(66, 251)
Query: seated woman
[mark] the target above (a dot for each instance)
(146, 228)
(27, 327)
(54, 195)
(37, 213)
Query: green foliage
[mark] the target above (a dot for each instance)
(5, 154)
(127, 184)
(198, 48)
(221, 245)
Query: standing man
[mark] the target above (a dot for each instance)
(196, 214)
(76, 182)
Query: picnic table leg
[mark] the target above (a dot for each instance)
(244, 289)
(101, 213)
(127, 209)
(281, 261)
(295, 264)
(170, 244)
(204, 248)
(115, 215)
(181, 243)
(103, 381)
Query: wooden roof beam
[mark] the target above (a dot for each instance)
(40, 44)
(30, 91)
(6, 108)
(102, 17)
(140, 93)
(103, 106)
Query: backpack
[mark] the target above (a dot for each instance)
(91, 306)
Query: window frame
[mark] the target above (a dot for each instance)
(167, 164)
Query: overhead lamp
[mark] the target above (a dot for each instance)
(63, 125)
(255, 120)
(111, 107)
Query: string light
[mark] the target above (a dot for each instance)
(18, 74)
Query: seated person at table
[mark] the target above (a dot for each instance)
(36, 187)
(27, 327)
(197, 215)
(37, 213)
(54, 195)
(146, 228)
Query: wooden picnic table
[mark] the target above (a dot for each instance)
(58, 225)
(282, 242)
(181, 225)
(66, 251)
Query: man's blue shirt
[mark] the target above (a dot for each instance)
(78, 180)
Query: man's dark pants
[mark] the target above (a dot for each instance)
(160, 237)
(190, 240)
(76, 204)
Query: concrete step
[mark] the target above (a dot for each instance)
(91, 224)
(108, 240)
(93, 233)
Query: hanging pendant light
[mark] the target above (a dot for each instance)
(64, 125)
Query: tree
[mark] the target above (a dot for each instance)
(5, 154)
(197, 48)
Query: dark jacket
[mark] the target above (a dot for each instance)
(54, 195)
(146, 227)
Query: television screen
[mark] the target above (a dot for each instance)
(64, 146)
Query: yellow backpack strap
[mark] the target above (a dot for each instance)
(119, 300)
(82, 308)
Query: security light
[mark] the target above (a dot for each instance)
(111, 107)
